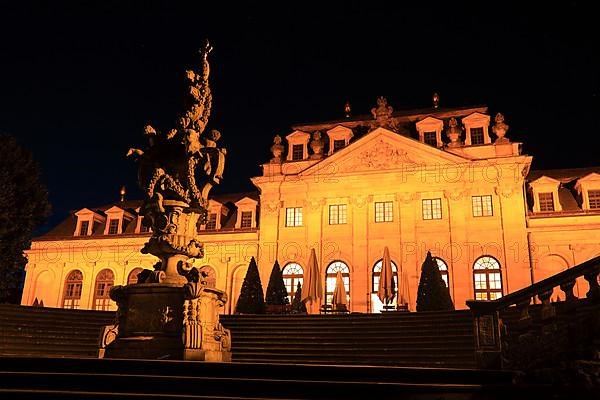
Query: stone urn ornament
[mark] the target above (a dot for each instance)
(499, 129)
(453, 132)
(317, 144)
(277, 150)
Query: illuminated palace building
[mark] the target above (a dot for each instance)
(445, 180)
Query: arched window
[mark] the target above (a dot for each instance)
(376, 304)
(292, 274)
(72, 293)
(104, 281)
(133, 276)
(487, 278)
(331, 275)
(211, 277)
(443, 267)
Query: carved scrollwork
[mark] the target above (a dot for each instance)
(272, 207)
(382, 155)
(456, 195)
(407, 197)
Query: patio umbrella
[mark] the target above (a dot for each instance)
(312, 288)
(403, 298)
(339, 293)
(386, 289)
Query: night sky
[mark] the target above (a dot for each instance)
(78, 81)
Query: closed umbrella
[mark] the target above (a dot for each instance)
(386, 289)
(312, 288)
(340, 300)
(403, 298)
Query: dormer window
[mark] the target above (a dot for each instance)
(84, 228)
(430, 131)
(338, 144)
(430, 138)
(339, 137)
(297, 145)
(211, 221)
(246, 219)
(476, 135)
(113, 227)
(545, 194)
(594, 199)
(476, 126)
(297, 152)
(546, 201)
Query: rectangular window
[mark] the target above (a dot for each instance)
(338, 214)
(113, 226)
(546, 201)
(338, 144)
(594, 199)
(383, 211)
(211, 221)
(246, 219)
(477, 135)
(432, 209)
(293, 216)
(430, 138)
(83, 228)
(482, 206)
(297, 152)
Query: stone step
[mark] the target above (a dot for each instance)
(333, 340)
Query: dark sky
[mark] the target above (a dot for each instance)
(79, 80)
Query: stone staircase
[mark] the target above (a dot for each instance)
(47, 332)
(433, 339)
(80, 378)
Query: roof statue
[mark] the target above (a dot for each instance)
(500, 129)
(179, 167)
(383, 115)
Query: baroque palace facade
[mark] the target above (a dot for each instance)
(443, 180)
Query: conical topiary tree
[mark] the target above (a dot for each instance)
(298, 306)
(433, 295)
(277, 294)
(251, 300)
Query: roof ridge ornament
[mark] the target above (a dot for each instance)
(383, 115)
(500, 129)
(453, 132)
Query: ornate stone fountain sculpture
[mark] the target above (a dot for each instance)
(170, 312)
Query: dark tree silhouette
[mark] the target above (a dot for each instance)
(298, 306)
(251, 300)
(23, 206)
(277, 294)
(433, 294)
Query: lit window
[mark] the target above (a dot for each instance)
(132, 278)
(546, 201)
(83, 228)
(383, 211)
(72, 292)
(443, 267)
(338, 144)
(113, 227)
(211, 221)
(104, 281)
(482, 206)
(430, 138)
(246, 219)
(331, 276)
(292, 275)
(211, 276)
(297, 152)
(376, 304)
(487, 278)
(338, 214)
(293, 216)
(594, 199)
(477, 135)
(432, 209)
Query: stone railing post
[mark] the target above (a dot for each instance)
(487, 325)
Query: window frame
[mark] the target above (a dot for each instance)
(246, 218)
(102, 284)
(431, 215)
(73, 286)
(291, 277)
(480, 269)
(481, 207)
(546, 201)
(430, 136)
(210, 221)
(595, 198)
(297, 152)
(385, 213)
(477, 129)
(116, 222)
(330, 278)
(296, 218)
(340, 217)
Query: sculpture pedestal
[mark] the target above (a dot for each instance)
(168, 321)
